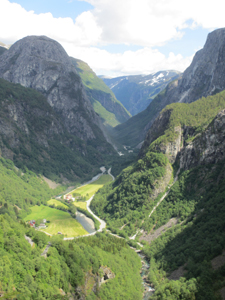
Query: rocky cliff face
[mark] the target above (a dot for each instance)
(205, 76)
(206, 148)
(42, 64)
(47, 122)
(187, 147)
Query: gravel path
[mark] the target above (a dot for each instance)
(29, 240)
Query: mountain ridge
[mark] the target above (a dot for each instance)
(137, 91)
(201, 78)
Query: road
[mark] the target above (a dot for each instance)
(102, 223)
(163, 197)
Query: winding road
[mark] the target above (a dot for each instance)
(102, 223)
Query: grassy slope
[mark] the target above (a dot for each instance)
(97, 89)
(56, 203)
(22, 189)
(59, 221)
(92, 188)
(80, 204)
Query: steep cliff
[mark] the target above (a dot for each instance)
(42, 64)
(205, 76)
(62, 118)
(192, 133)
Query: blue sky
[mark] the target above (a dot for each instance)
(58, 8)
(117, 37)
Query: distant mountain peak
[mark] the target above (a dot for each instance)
(135, 92)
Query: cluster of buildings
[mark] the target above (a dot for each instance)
(69, 197)
(42, 225)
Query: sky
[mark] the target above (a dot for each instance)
(117, 37)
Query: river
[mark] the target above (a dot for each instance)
(148, 290)
(86, 222)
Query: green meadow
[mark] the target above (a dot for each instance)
(81, 204)
(60, 221)
(90, 189)
(57, 203)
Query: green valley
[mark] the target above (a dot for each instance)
(154, 231)
(59, 221)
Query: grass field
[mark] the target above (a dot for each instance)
(59, 221)
(56, 203)
(90, 189)
(80, 204)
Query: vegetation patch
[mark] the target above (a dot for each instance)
(89, 190)
(81, 204)
(57, 203)
(60, 221)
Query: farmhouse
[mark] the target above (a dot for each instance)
(32, 223)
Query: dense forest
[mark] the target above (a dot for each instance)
(71, 268)
(21, 190)
(195, 201)
(129, 200)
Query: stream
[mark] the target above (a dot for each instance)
(148, 290)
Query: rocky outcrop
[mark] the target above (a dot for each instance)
(106, 275)
(206, 148)
(42, 64)
(93, 282)
(47, 119)
(170, 148)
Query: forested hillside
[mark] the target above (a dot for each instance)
(20, 190)
(74, 268)
(71, 269)
(191, 138)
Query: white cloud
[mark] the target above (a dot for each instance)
(143, 61)
(146, 23)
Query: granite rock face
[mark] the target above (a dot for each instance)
(47, 123)
(207, 148)
(42, 64)
(205, 76)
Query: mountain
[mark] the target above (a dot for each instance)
(202, 78)
(2, 49)
(137, 91)
(102, 98)
(173, 198)
(55, 126)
